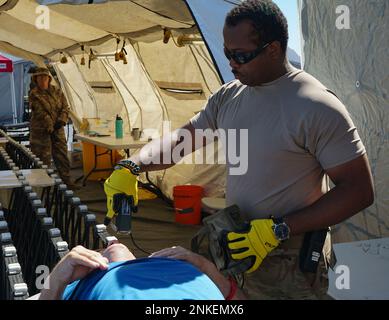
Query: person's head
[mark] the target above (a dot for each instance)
(258, 27)
(42, 78)
(117, 252)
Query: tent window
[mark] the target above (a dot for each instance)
(102, 87)
(180, 90)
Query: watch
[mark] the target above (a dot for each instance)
(281, 229)
(130, 165)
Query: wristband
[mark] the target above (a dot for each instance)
(130, 165)
(233, 288)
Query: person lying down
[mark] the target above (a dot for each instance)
(115, 274)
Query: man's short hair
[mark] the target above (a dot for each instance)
(266, 17)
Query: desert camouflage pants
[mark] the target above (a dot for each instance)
(279, 276)
(53, 146)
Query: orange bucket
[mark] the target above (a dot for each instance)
(187, 204)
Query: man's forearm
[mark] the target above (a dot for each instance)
(147, 166)
(55, 290)
(337, 205)
(163, 153)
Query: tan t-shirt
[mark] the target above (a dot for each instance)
(296, 130)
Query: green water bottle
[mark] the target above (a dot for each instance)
(119, 127)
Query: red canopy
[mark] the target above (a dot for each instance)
(6, 64)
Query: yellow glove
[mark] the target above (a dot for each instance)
(259, 241)
(122, 180)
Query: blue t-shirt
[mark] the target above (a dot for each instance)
(145, 279)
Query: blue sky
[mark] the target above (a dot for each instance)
(289, 8)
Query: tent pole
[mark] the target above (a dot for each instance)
(13, 99)
(21, 92)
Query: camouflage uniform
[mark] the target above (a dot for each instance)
(279, 276)
(47, 136)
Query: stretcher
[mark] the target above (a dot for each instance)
(39, 228)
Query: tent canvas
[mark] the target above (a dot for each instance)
(354, 64)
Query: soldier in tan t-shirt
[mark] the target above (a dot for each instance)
(298, 134)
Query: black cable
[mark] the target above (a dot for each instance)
(136, 246)
(150, 186)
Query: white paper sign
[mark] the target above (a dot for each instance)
(362, 271)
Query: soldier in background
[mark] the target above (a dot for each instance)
(49, 115)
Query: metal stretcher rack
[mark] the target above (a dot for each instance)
(19, 132)
(44, 225)
(12, 285)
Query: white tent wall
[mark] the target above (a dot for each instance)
(77, 91)
(188, 65)
(108, 103)
(134, 97)
(354, 64)
(145, 107)
(178, 67)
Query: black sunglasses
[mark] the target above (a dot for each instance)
(244, 57)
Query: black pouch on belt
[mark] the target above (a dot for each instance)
(311, 250)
